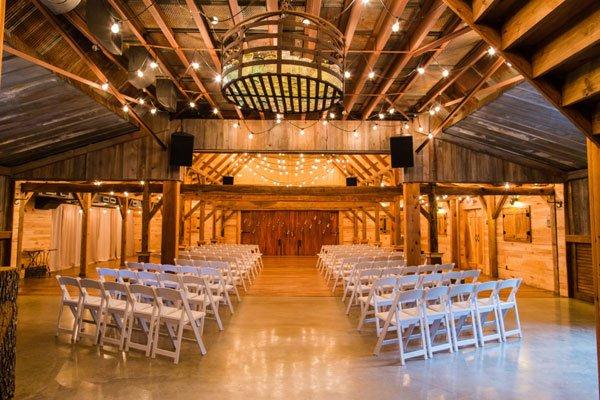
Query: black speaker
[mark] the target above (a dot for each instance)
(47, 203)
(182, 149)
(401, 150)
(351, 181)
(227, 180)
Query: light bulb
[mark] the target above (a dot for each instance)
(125, 108)
(396, 26)
(437, 108)
(332, 115)
(104, 86)
(347, 74)
(153, 65)
(236, 125)
(142, 101)
(356, 134)
(215, 110)
(115, 28)
(375, 127)
(195, 65)
(215, 20)
(445, 73)
(365, 2)
(371, 75)
(507, 186)
(153, 110)
(420, 129)
(324, 122)
(381, 115)
(140, 73)
(218, 78)
(301, 132)
(421, 70)
(306, 21)
(509, 65)
(250, 136)
(192, 104)
(431, 111)
(392, 110)
(406, 126)
(491, 51)
(430, 135)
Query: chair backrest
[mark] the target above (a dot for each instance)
(151, 267)
(183, 261)
(393, 271)
(453, 277)
(508, 288)
(138, 266)
(470, 276)
(170, 268)
(409, 296)
(169, 280)
(91, 287)
(104, 273)
(189, 270)
(461, 292)
(197, 282)
(173, 297)
(115, 290)
(141, 293)
(409, 282)
(148, 278)
(444, 267)
(68, 281)
(486, 289)
(127, 274)
(410, 270)
(430, 280)
(437, 294)
(425, 269)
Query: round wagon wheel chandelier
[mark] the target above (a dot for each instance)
(283, 62)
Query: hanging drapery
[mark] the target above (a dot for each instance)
(104, 236)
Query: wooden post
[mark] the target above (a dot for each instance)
(214, 222)
(412, 225)
(364, 226)
(22, 204)
(354, 228)
(86, 203)
(184, 207)
(492, 211)
(455, 231)
(239, 227)
(433, 227)
(201, 216)
(145, 223)
(170, 222)
(398, 210)
(377, 225)
(2, 17)
(593, 156)
(551, 200)
(124, 208)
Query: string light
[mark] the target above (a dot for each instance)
(306, 21)
(140, 73)
(375, 127)
(392, 110)
(215, 20)
(192, 104)
(347, 74)
(115, 28)
(431, 111)
(507, 186)
(104, 86)
(356, 134)
(371, 75)
(445, 73)
(365, 2)
(381, 115)
(437, 108)
(430, 135)
(215, 110)
(324, 122)
(153, 65)
(195, 65)
(301, 132)
(491, 51)
(331, 115)
(396, 26)
(406, 126)
(218, 78)
(236, 125)
(250, 136)
(509, 65)
(125, 108)
(142, 101)
(420, 129)
(421, 70)
(153, 110)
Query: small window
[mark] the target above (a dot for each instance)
(516, 224)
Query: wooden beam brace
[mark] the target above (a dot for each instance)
(582, 83)
(155, 208)
(353, 19)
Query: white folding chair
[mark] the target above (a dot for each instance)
(93, 302)
(143, 306)
(127, 276)
(381, 295)
(183, 261)
(507, 302)
(430, 280)
(409, 282)
(404, 315)
(175, 312)
(108, 274)
(115, 313)
(148, 278)
(174, 269)
(436, 319)
(470, 275)
(461, 306)
(485, 306)
(200, 296)
(74, 302)
(426, 269)
(135, 266)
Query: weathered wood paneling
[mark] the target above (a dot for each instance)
(6, 210)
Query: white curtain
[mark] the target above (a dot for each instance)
(104, 235)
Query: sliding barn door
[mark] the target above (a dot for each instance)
(290, 233)
(474, 239)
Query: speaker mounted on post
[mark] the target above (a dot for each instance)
(181, 149)
(227, 180)
(401, 151)
(351, 181)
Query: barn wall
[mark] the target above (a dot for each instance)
(6, 214)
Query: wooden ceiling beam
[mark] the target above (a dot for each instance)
(524, 65)
(488, 73)
(574, 41)
(377, 42)
(137, 31)
(353, 19)
(204, 33)
(159, 18)
(236, 11)
(482, 7)
(582, 83)
(429, 18)
(53, 21)
(2, 18)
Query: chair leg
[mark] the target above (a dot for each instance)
(427, 338)
(381, 337)
(60, 311)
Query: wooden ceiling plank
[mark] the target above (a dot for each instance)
(429, 18)
(2, 18)
(571, 43)
(522, 22)
(377, 42)
(483, 7)
(582, 83)
(159, 18)
(130, 20)
(52, 20)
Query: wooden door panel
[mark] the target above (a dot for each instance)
(290, 232)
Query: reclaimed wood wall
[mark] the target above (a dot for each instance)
(6, 216)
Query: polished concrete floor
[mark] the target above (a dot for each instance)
(281, 343)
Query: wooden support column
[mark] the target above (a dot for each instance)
(144, 255)
(2, 18)
(364, 226)
(201, 217)
(377, 226)
(214, 223)
(554, 231)
(22, 204)
(433, 228)
(492, 211)
(170, 222)
(124, 208)
(354, 228)
(85, 201)
(455, 231)
(239, 227)
(412, 225)
(593, 156)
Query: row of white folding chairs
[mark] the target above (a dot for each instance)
(453, 310)
(245, 269)
(348, 267)
(247, 261)
(331, 267)
(221, 286)
(363, 281)
(121, 306)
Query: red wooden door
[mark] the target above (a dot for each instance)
(290, 232)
